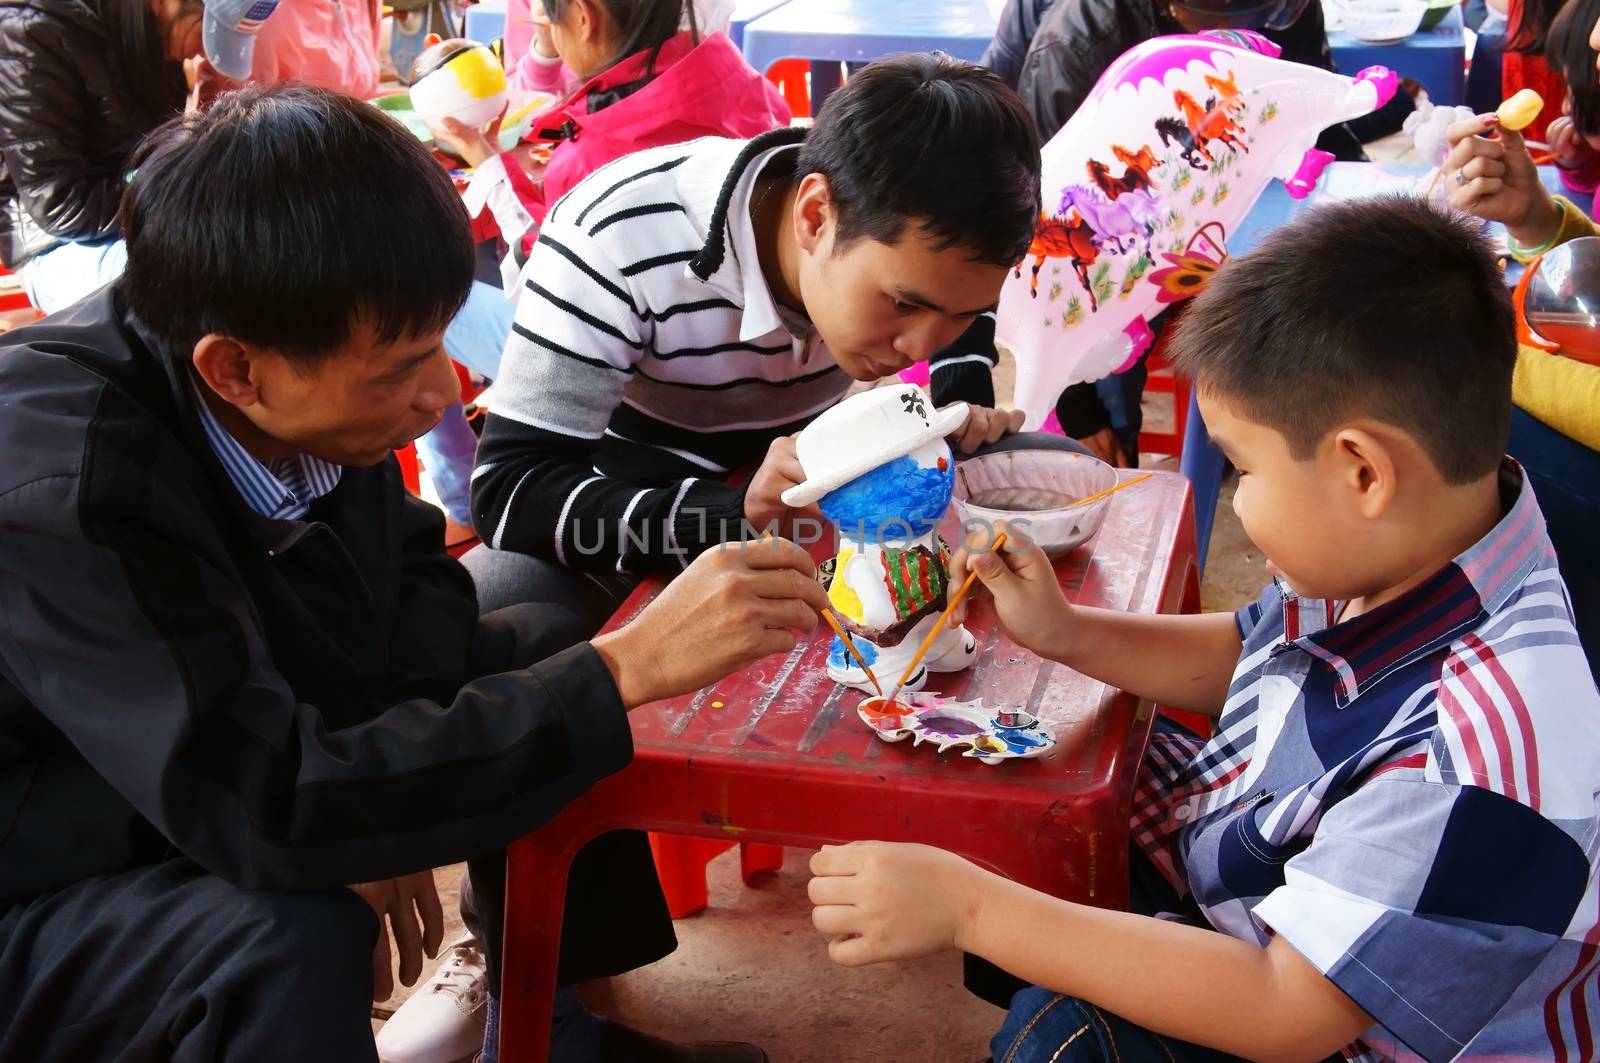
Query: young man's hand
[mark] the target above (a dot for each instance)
(733, 606)
(882, 901)
(1497, 181)
(779, 471)
(1028, 600)
(984, 425)
(400, 902)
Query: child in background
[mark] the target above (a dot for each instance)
(1524, 65)
(83, 85)
(1575, 136)
(650, 78)
(1393, 824)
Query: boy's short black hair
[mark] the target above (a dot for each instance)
(281, 216)
(934, 140)
(1387, 308)
(1566, 49)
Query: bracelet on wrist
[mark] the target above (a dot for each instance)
(1529, 253)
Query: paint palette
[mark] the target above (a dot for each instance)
(990, 735)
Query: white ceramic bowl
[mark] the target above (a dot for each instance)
(1382, 21)
(1040, 487)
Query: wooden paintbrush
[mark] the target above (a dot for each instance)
(966, 585)
(1113, 489)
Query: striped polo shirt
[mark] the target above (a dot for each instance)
(643, 368)
(1412, 799)
(281, 490)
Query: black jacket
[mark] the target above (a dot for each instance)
(1078, 39)
(1019, 21)
(291, 704)
(68, 123)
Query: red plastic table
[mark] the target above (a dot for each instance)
(777, 754)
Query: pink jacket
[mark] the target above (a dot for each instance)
(700, 90)
(329, 43)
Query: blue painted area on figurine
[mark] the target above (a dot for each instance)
(839, 655)
(897, 495)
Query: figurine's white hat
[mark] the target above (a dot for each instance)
(865, 431)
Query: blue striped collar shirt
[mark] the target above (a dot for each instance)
(280, 490)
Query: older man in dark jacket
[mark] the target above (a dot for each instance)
(237, 670)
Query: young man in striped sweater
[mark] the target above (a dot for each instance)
(688, 308)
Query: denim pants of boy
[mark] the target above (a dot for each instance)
(1045, 1027)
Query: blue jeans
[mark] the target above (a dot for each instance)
(476, 339)
(1565, 476)
(59, 277)
(1045, 1027)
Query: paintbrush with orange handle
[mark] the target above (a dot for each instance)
(1113, 489)
(955, 600)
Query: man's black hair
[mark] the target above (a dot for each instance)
(281, 216)
(933, 141)
(1566, 49)
(1387, 308)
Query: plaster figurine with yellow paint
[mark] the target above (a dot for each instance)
(458, 79)
(878, 467)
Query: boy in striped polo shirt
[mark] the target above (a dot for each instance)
(689, 308)
(1394, 825)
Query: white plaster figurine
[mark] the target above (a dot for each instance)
(880, 470)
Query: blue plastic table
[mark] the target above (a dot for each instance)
(1203, 463)
(486, 21)
(859, 31)
(746, 12)
(1436, 57)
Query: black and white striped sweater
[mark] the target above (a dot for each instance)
(631, 387)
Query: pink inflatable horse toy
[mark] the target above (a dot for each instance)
(1120, 248)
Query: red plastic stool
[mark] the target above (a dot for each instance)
(681, 864)
(790, 76)
(1163, 381)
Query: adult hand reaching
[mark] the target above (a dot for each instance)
(734, 605)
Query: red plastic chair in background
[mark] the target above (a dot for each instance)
(1163, 381)
(15, 309)
(791, 76)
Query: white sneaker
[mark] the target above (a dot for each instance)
(443, 1020)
